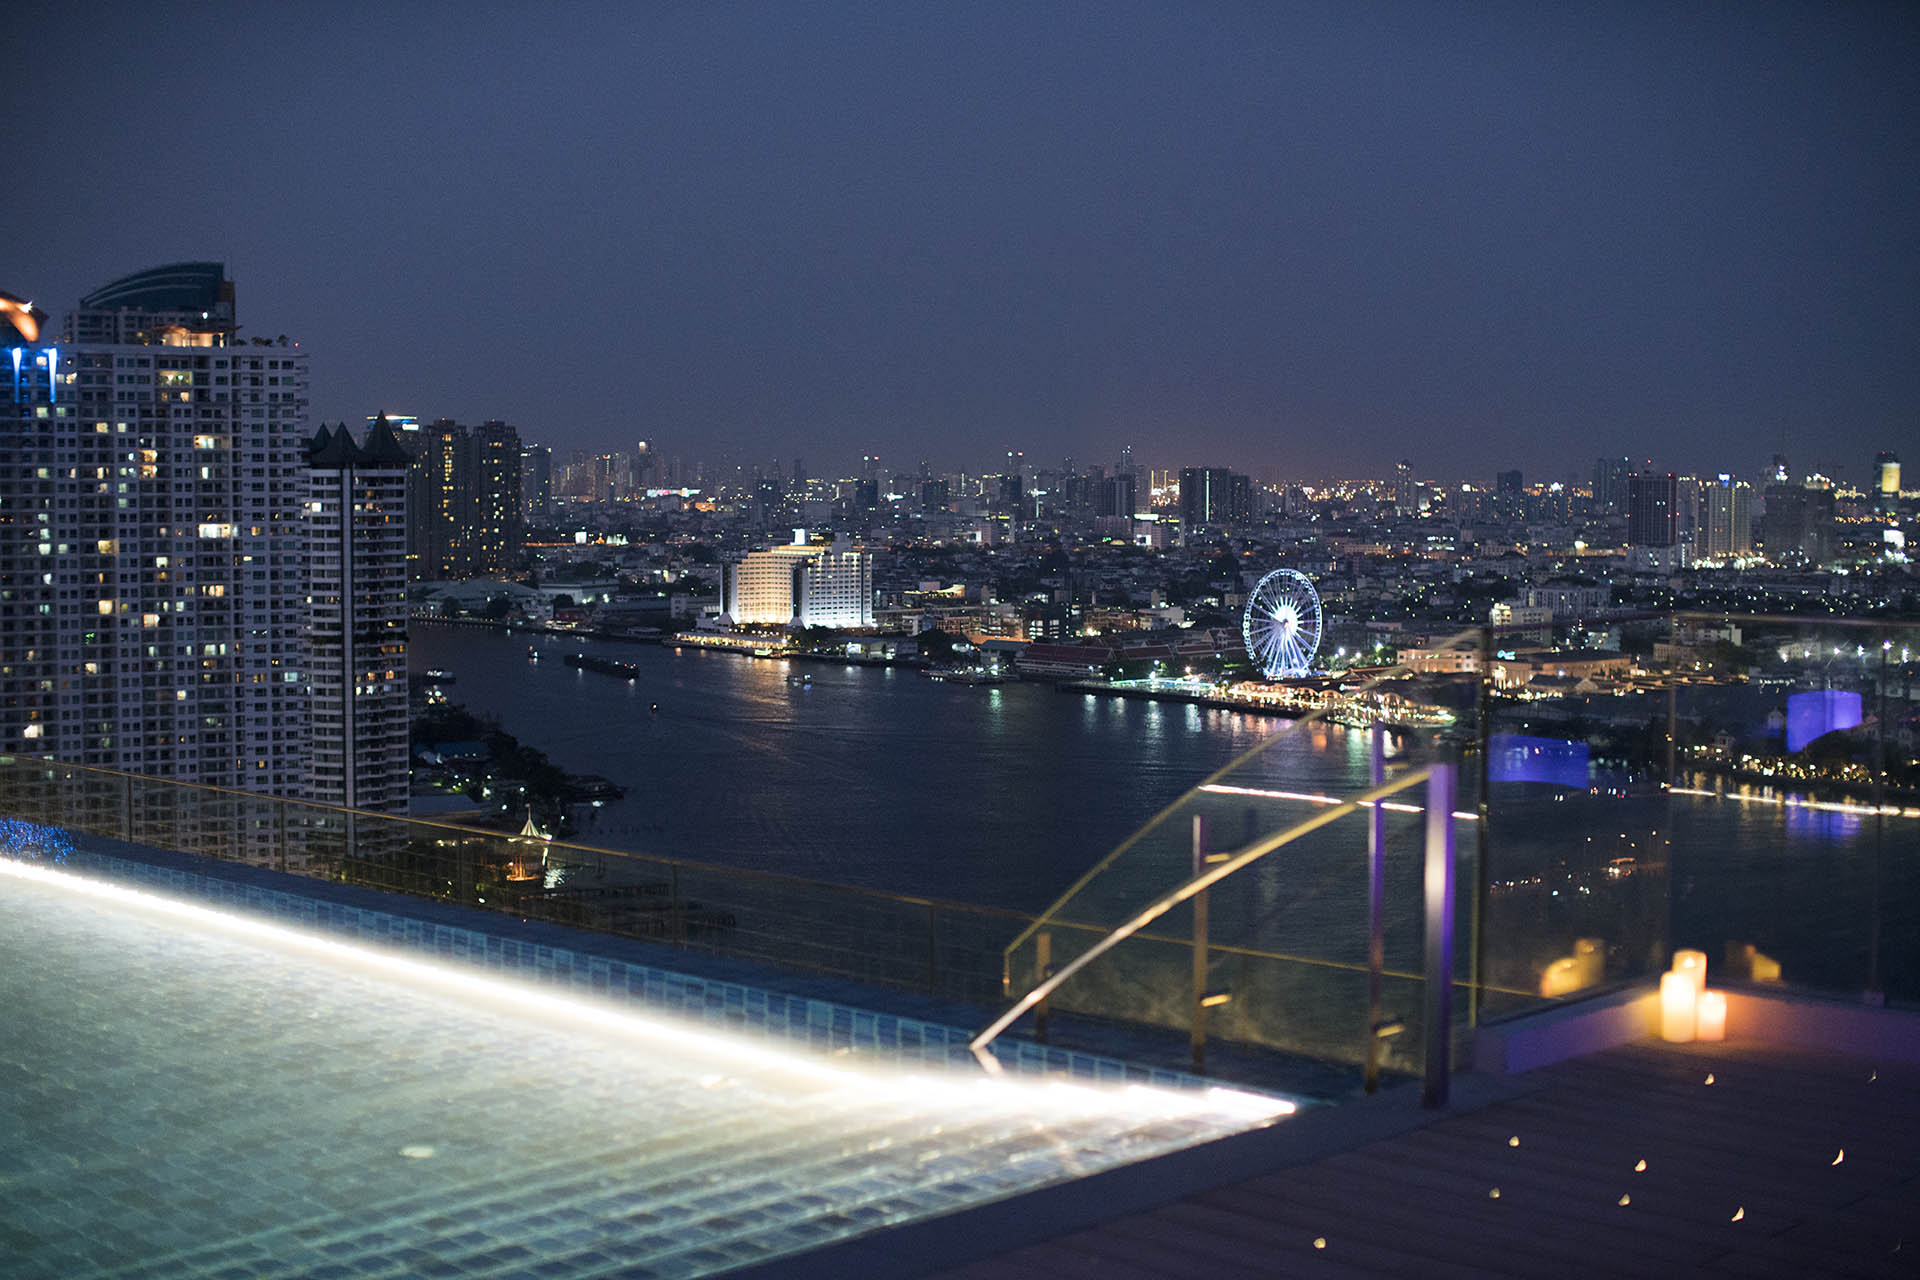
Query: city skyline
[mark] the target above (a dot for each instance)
(1289, 240)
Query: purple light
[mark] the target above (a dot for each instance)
(1816, 714)
(1516, 757)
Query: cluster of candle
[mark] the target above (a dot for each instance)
(1584, 968)
(1688, 1011)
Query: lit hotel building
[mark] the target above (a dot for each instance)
(801, 585)
(151, 589)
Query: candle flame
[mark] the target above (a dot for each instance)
(1319, 1242)
(1640, 1167)
(1709, 1077)
(1840, 1155)
(1626, 1200)
(1514, 1141)
(1739, 1213)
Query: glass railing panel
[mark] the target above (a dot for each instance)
(1797, 802)
(1579, 846)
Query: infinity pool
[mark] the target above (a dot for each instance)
(188, 1093)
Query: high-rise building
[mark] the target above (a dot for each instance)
(1610, 497)
(536, 482)
(1729, 519)
(464, 508)
(356, 626)
(1213, 495)
(800, 585)
(1689, 513)
(1403, 489)
(152, 590)
(1886, 482)
(1651, 498)
(1507, 484)
(1797, 527)
(499, 527)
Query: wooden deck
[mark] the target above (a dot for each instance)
(1789, 1163)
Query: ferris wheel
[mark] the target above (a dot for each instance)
(1282, 624)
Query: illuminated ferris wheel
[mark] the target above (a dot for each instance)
(1282, 624)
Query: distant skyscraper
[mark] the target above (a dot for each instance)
(1729, 523)
(1507, 484)
(152, 594)
(1797, 529)
(1213, 496)
(464, 507)
(536, 482)
(1403, 489)
(499, 528)
(1651, 497)
(1886, 481)
(1610, 485)
(356, 631)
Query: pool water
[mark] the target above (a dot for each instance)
(184, 1093)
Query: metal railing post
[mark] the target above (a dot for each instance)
(1875, 994)
(933, 950)
(1439, 934)
(1198, 1039)
(1042, 970)
(1376, 902)
(1483, 835)
(676, 908)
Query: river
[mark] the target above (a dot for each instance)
(1003, 795)
(999, 795)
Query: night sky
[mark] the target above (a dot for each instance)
(1298, 239)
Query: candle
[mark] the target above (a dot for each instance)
(1591, 957)
(1562, 978)
(1678, 1007)
(1710, 1016)
(1694, 965)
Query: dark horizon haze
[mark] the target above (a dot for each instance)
(1301, 239)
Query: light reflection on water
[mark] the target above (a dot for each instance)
(861, 775)
(1002, 796)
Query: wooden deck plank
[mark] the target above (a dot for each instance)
(1761, 1139)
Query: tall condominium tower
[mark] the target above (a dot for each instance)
(1213, 495)
(356, 558)
(1610, 495)
(465, 517)
(1651, 502)
(1729, 518)
(152, 595)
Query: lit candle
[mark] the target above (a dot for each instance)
(1561, 978)
(1678, 1007)
(1710, 1016)
(1590, 954)
(1694, 965)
